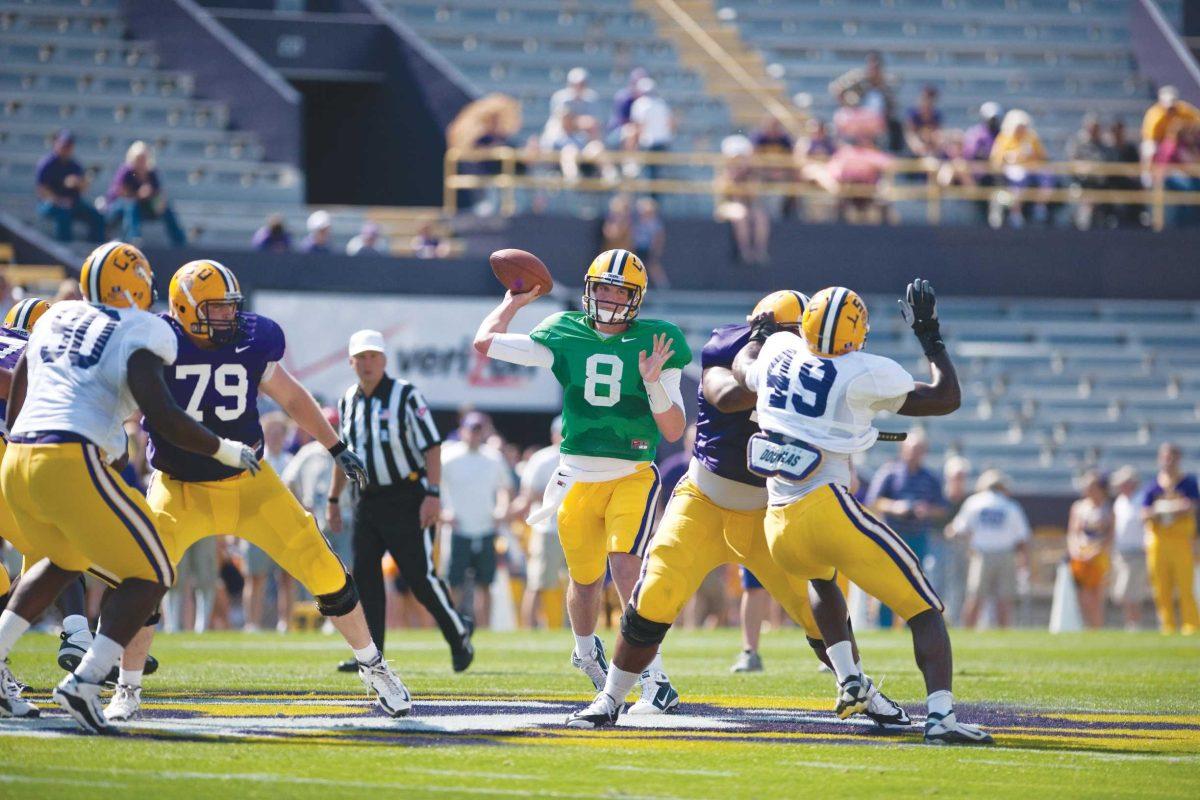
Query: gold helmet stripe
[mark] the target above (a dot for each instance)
(94, 269)
(829, 322)
(231, 285)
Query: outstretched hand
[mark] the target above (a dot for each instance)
(522, 299)
(651, 366)
(919, 308)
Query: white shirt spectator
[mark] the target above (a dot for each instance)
(653, 117)
(538, 471)
(570, 100)
(995, 522)
(1130, 530)
(471, 480)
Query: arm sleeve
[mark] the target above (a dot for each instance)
(276, 342)
(671, 380)
(520, 348)
(420, 424)
(758, 370)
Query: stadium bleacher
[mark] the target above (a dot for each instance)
(1057, 59)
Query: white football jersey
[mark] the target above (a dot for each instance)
(828, 403)
(77, 360)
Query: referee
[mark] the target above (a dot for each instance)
(386, 422)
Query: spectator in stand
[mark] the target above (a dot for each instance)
(547, 566)
(1163, 119)
(1125, 152)
(869, 87)
(858, 162)
(623, 101)
(651, 122)
(956, 475)
(909, 496)
(977, 146)
(923, 124)
(997, 530)
(576, 97)
(1129, 545)
(68, 289)
(1169, 510)
(1179, 149)
(1089, 539)
(368, 242)
(61, 183)
(771, 139)
(427, 244)
(1088, 146)
(1017, 152)
(259, 566)
(136, 194)
(954, 169)
(320, 233)
(617, 230)
(272, 237)
(7, 297)
(650, 240)
(476, 486)
(740, 204)
(816, 144)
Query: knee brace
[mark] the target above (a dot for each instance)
(640, 631)
(339, 603)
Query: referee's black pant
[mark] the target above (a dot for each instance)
(388, 520)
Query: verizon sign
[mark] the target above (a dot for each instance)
(429, 343)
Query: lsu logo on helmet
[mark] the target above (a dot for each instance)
(206, 299)
(25, 314)
(787, 305)
(835, 322)
(117, 274)
(620, 268)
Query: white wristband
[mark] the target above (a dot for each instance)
(229, 453)
(660, 401)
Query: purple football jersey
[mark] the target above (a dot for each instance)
(721, 438)
(219, 388)
(12, 344)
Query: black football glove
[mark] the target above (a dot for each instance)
(351, 464)
(762, 326)
(919, 308)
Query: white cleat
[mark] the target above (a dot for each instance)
(390, 691)
(125, 704)
(947, 729)
(82, 701)
(11, 702)
(854, 695)
(602, 713)
(595, 666)
(658, 695)
(885, 713)
(72, 647)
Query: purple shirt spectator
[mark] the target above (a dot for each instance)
(272, 237)
(52, 172)
(127, 180)
(895, 482)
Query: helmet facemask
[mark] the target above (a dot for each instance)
(226, 325)
(610, 312)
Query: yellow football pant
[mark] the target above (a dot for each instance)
(1172, 569)
(257, 508)
(828, 532)
(615, 516)
(74, 509)
(696, 536)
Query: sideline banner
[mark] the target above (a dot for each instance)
(429, 343)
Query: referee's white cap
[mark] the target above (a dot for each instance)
(367, 340)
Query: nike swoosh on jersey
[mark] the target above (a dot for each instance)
(623, 339)
(241, 349)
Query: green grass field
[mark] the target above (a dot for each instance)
(1086, 715)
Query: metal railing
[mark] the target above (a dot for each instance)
(509, 170)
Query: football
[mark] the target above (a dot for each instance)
(520, 271)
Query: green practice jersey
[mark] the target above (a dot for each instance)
(605, 409)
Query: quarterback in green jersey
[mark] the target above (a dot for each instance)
(620, 376)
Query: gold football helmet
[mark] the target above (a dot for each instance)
(621, 268)
(25, 314)
(835, 322)
(117, 274)
(788, 306)
(206, 299)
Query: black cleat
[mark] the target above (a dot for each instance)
(349, 665)
(602, 713)
(114, 674)
(946, 729)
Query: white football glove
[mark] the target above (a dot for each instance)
(238, 456)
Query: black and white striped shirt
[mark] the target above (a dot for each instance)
(390, 430)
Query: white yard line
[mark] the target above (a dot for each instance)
(665, 771)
